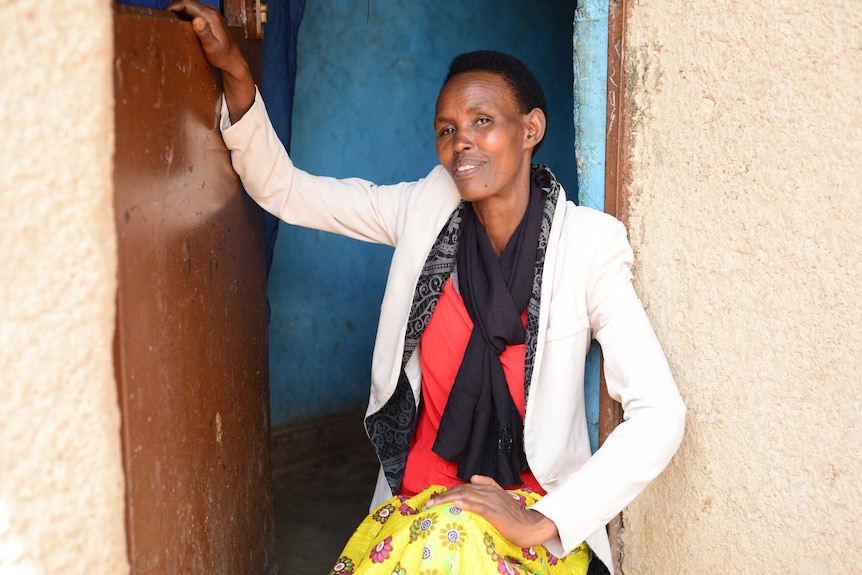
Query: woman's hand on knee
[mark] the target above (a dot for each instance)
(483, 496)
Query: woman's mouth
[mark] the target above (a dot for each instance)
(466, 167)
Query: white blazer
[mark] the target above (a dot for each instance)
(586, 293)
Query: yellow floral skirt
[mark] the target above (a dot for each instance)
(398, 538)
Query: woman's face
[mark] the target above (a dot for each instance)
(483, 140)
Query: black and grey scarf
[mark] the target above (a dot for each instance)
(391, 427)
(481, 428)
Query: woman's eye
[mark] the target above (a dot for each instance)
(482, 121)
(446, 131)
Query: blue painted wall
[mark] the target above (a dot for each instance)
(368, 76)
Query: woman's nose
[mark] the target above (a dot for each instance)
(462, 141)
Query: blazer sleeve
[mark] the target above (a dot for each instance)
(637, 376)
(351, 207)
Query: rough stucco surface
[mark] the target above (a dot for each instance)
(746, 126)
(61, 482)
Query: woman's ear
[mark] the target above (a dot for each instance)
(536, 124)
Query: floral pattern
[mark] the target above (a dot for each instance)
(489, 546)
(383, 513)
(344, 566)
(381, 551)
(421, 527)
(522, 501)
(452, 535)
(505, 567)
(452, 541)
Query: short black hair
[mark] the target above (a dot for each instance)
(525, 86)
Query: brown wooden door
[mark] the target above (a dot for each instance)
(191, 344)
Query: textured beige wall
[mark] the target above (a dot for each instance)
(61, 482)
(746, 196)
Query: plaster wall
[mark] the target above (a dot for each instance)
(61, 482)
(746, 190)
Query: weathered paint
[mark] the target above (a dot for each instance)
(590, 63)
(368, 77)
(191, 346)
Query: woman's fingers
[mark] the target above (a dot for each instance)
(214, 47)
(210, 30)
(459, 492)
(193, 8)
(222, 53)
(483, 496)
(483, 480)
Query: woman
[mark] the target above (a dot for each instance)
(496, 288)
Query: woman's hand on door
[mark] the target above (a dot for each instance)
(221, 52)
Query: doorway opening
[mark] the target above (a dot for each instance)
(367, 78)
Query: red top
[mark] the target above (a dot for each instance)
(441, 350)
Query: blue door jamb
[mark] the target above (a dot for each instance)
(590, 62)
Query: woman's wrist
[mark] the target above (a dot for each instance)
(543, 528)
(239, 88)
(236, 67)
